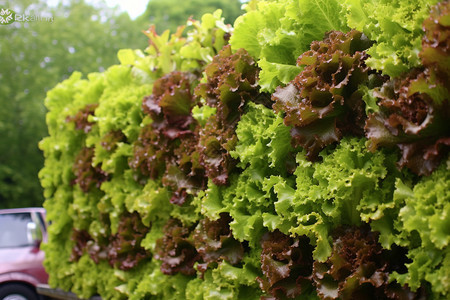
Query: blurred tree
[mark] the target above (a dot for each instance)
(35, 56)
(169, 14)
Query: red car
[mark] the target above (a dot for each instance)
(22, 231)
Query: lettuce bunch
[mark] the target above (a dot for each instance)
(301, 155)
(231, 81)
(324, 102)
(395, 26)
(414, 108)
(277, 32)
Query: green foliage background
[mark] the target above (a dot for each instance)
(169, 14)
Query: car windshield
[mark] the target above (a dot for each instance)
(13, 230)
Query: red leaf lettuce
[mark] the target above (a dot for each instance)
(176, 249)
(87, 175)
(359, 268)
(231, 82)
(414, 108)
(286, 263)
(323, 102)
(215, 242)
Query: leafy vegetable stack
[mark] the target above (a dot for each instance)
(303, 154)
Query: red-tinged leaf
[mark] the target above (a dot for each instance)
(215, 242)
(286, 263)
(231, 82)
(216, 140)
(415, 108)
(109, 141)
(81, 118)
(167, 147)
(414, 116)
(122, 250)
(150, 153)
(436, 41)
(323, 103)
(81, 238)
(87, 175)
(176, 250)
(359, 268)
(125, 251)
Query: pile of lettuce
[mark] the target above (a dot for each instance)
(302, 154)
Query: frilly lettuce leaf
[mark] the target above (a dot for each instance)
(420, 127)
(93, 278)
(244, 199)
(263, 141)
(429, 266)
(263, 150)
(262, 136)
(323, 102)
(167, 144)
(287, 265)
(215, 243)
(414, 108)
(435, 47)
(88, 175)
(125, 251)
(350, 186)
(119, 107)
(215, 141)
(423, 228)
(149, 282)
(230, 82)
(121, 250)
(359, 268)
(227, 281)
(224, 282)
(81, 119)
(396, 28)
(277, 32)
(171, 98)
(426, 208)
(416, 219)
(413, 115)
(176, 249)
(273, 75)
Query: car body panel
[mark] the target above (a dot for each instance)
(24, 264)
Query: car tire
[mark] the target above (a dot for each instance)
(16, 291)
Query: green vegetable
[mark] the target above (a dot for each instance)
(324, 102)
(359, 268)
(396, 28)
(414, 108)
(231, 82)
(287, 265)
(277, 32)
(350, 186)
(178, 175)
(423, 227)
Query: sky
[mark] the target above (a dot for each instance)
(133, 7)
